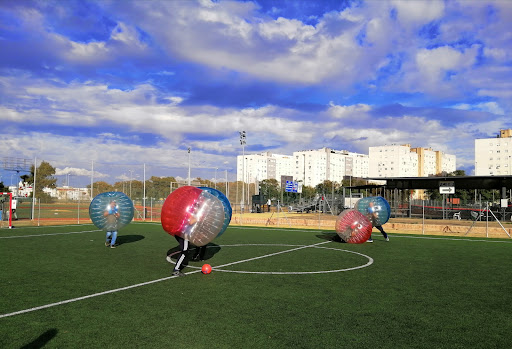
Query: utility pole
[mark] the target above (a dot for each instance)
(242, 143)
(188, 165)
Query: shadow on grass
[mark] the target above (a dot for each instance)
(126, 239)
(330, 236)
(42, 340)
(211, 250)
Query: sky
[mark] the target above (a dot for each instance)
(108, 87)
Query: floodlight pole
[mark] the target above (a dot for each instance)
(189, 166)
(131, 174)
(144, 194)
(92, 176)
(242, 143)
(34, 188)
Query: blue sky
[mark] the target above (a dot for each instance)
(132, 82)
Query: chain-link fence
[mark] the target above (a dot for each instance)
(148, 185)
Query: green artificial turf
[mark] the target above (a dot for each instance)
(413, 292)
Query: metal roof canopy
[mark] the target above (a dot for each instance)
(460, 182)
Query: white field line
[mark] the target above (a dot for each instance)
(53, 226)
(139, 285)
(449, 239)
(91, 296)
(39, 235)
(270, 255)
(370, 262)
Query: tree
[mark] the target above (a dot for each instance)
(135, 189)
(459, 173)
(159, 187)
(270, 189)
(101, 187)
(326, 187)
(308, 192)
(3, 188)
(44, 179)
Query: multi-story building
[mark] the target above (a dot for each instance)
(257, 167)
(313, 167)
(493, 156)
(68, 193)
(404, 161)
(426, 161)
(393, 161)
(445, 162)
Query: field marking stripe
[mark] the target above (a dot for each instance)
(141, 284)
(270, 255)
(92, 295)
(450, 239)
(51, 226)
(38, 235)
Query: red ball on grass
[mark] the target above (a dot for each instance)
(206, 269)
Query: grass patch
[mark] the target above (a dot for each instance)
(419, 292)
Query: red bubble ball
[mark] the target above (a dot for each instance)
(353, 227)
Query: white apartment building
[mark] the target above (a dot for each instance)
(493, 156)
(445, 162)
(404, 161)
(68, 193)
(312, 167)
(393, 161)
(263, 166)
(427, 164)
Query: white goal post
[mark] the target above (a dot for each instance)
(6, 209)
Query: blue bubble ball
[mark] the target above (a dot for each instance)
(225, 202)
(376, 208)
(104, 205)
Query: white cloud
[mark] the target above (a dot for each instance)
(491, 107)
(92, 106)
(418, 12)
(75, 171)
(435, 62)
(498, 54)
(289, 29)
(220, 35)
(350, 111)
(87, 52)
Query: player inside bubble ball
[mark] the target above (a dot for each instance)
(374, 218)
(112, 215)
(349, 232)
(183, 242)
